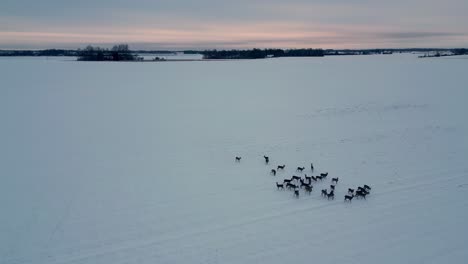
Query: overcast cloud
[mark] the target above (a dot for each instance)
(176, 24)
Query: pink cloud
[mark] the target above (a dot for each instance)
(205, 34)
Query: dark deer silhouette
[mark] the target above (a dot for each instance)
(324, 192)
(308, 178)
(319, 177)
(296, 192)
(360, 194)
(304, 183)
(300, 169)
(331, 195)
(295, 177)
(308, 188)
(279, 185)
(238, 159)
(350, 190)
(324, 175)
(290, 185)
(332, 187)
(335, 180)
(311, 167)
(367, 187)
(267, 159)
(348, 197)
(280, 167)
(363, 190)
(313, 178)
(287, 181)
(273, 171)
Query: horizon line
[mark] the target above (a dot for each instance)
(207, 49)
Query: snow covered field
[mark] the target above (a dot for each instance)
(134, 162)
(177, 56)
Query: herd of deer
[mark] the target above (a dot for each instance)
(296, 182)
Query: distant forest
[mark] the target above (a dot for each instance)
(33, 53)
(117, 53)
(261, 53)
(122, 52)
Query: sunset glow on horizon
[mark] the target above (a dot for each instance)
(255, 24)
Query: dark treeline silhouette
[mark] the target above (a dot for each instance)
(119, 52)
(460, 51)
(447, 52)
(47, 52)
(260, 53)
(453, 52)
(122, 53)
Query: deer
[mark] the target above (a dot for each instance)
(308, 188)
(300, 169)
(290, 185)
(279, 186)
(360, 194)
(367, 187)
(296, 192)
(335, 180)
(324, 192)
(331, 195)
(280, 167)
(348, 197)
(267, 159)
(324, 175)
(332, 187)
(238, 159)
(312, 167)
(304, 184)
(362, 190)
(351, 191)
(273, 171)
(294, 177)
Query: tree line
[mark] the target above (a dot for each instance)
(260, 53)
(122, 52)
(119, 52)
(31, 53)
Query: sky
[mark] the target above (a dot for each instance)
(209, 24)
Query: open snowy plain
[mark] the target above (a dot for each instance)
(110, 163)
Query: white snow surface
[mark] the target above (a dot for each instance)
(104, 162)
